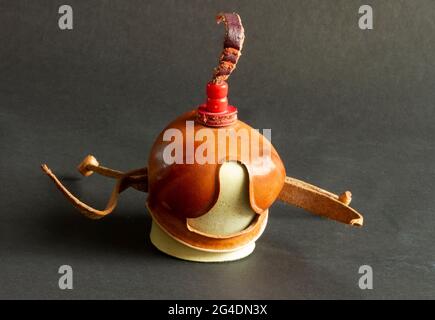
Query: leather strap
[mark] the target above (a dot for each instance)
(319, 201)
(137, 179)
(294, 192)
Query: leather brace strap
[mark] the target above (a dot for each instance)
(320, 202)
(294, 192)
(137, 179)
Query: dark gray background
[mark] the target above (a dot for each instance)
(349, 109)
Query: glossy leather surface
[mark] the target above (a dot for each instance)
(181, 191)
(190, 190)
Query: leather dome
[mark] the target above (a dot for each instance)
(181, 191)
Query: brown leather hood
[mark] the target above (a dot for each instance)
(190, 190)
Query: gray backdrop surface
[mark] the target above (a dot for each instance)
(348, 109)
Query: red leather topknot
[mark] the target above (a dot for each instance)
(216, 112)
